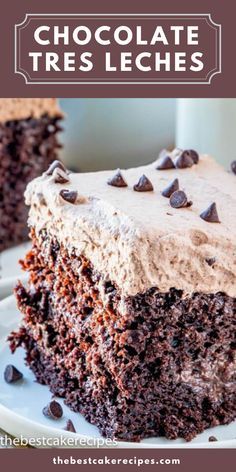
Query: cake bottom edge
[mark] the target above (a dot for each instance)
(119, 418)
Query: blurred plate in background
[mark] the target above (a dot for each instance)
(10, 269)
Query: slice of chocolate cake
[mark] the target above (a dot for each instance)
(130, 309)
(28, 144)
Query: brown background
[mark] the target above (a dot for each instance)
(208, 45)
(195, 460)
(223, 85)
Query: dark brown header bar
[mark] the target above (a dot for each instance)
(130, 460)
(118, 49)
(138, 48)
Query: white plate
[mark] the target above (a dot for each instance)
(21, 404)
(10, 269)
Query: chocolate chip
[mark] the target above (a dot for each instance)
(171, 188)
(53, 410)
(70, 427)
(117, 180)
(212, 439)
(60, 176)
(210, 214)
(55, 165)
(194, 155)
(143, 185)
(210, 261)
(12, 374)
(69, 195)
(178, 199)
(165, 164)
(184, 160)
(233, 167)
(189, 203)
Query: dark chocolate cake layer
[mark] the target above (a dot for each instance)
(164, 365)
(27, 147)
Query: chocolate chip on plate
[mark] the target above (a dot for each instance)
(53, 410)
(55, 165)
(212, 439)
(178, 199)
(233, 167)
(143, 185)
(69, 195)
(60, 177)
(210, 214)
(165, 163)
(184, 160)
(12, 374)
(171, 188)
(117, 180)
(70, 427)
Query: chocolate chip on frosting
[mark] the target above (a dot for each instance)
(117, 180)
(189, 203)
(194, 155)
(184, 160)
(60, 177)
(233, 167)
(69, 195)
(165, 164)
(171, 188)
(210, 261)
(55, 165)
(210, 214)
(143, 185)
(178, 199)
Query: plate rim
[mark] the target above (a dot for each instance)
(56, 432)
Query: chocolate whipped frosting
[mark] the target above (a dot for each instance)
(135, 239)
(21, 108)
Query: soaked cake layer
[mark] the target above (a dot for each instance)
(163, 365)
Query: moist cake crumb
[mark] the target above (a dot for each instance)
(28, 144)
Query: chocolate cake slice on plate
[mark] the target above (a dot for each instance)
(130, 309)
(28, 144)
